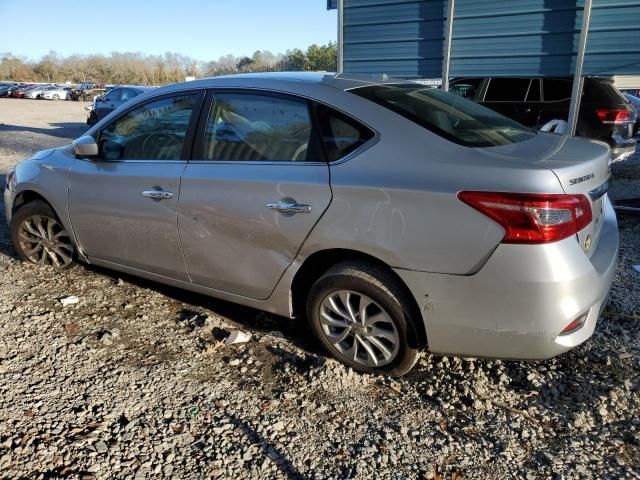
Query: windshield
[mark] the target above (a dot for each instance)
(450, 116)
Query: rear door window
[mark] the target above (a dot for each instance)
(260, 127)
(555, 89)
(507, 90)
(533, 95)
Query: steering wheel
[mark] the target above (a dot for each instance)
(163, 139)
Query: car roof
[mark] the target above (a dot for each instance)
(139, 88)
(269, 79)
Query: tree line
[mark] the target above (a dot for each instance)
(129, 68)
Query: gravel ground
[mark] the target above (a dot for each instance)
(134, 381)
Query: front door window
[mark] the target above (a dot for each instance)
(153, 131)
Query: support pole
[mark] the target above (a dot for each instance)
(446, 49)
(578, 79)
(340, 36)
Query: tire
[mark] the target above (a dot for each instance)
(56, 97)
(40, 238)
(395, 350)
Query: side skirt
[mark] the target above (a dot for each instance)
(275, 304)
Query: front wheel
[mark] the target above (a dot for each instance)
(56, 97)
(39, 237)
(361, 317)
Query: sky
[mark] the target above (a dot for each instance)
(202, 29)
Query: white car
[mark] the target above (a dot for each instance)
(57, 93)
(37, 92)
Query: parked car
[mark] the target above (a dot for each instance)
(12, 90)
(106, 104)
(392, 216)
(604, 113)
(20, 91)
(635, 102)
(37, 92)
(57, 93)
(5, 89)
(81, 93)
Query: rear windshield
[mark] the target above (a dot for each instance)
(450, 116)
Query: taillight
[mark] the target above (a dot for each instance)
(532, 217)
(616, 116)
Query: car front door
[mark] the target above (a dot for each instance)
(123, 203)
(256, 186)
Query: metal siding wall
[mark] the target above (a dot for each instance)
(613, 45)
(490, 37)
(515, 38)
(397, 37)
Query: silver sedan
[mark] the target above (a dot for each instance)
(391, 216)
(57, 93)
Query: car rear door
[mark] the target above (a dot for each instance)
(123, 203)
(556, 96)
(508, 96)
(256, 186)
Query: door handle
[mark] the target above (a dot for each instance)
(284, 207)
(157, 194)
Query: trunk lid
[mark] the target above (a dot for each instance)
(581, 166)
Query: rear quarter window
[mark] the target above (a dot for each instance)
(465, 87)
(341, 135)
(602, 92)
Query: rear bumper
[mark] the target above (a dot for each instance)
(518, 303)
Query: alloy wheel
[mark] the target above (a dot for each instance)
(359, 329)
(44, 241)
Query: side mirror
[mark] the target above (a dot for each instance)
(85, 146)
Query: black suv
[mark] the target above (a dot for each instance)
(604, 113)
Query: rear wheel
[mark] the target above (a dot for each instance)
(56, 97)
(361, 317)
(39, 237)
